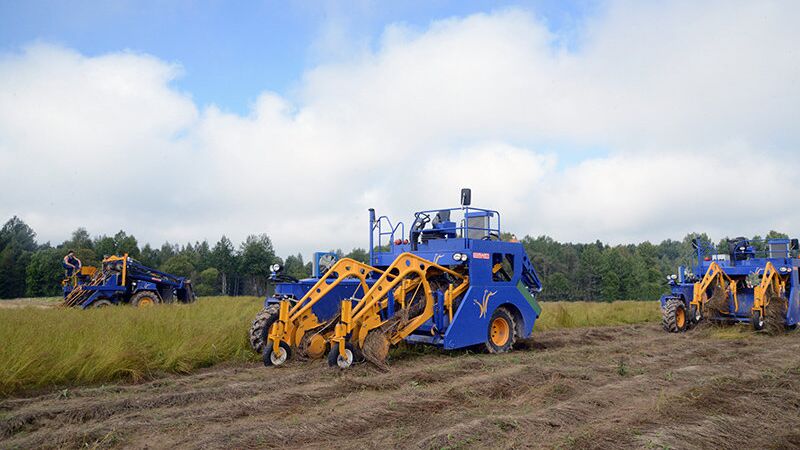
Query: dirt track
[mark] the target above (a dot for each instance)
(624, 387)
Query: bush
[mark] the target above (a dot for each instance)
(207, 282)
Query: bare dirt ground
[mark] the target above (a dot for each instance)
(621, 387)
(48, 302)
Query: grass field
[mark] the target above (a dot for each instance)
(46, 347)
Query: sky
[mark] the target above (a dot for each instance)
(614, 120)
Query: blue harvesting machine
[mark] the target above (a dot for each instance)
(123, 280)
(751, 282)
(450, 282)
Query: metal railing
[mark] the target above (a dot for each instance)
(383, 228)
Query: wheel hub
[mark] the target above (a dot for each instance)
(500, 331)
(279, 358)
(314, 346)
(345, 361)
(680, 317)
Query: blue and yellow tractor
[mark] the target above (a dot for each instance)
(451, 282)
(751, 282)
(123, 280)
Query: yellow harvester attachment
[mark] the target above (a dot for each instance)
(724, 287)
(298, 328)
(771, 288)
(405, 292)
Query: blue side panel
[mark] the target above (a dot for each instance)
(745, 299)
(685, 292)
(471, 321)
(793, 315)
(145, 286)
(294, 290)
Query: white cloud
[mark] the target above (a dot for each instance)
(695, 107)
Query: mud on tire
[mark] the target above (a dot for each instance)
(671, 315)
(261, 325)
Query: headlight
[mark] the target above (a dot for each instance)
(784, 269)
(457, 256)
(463, 257)
(275, 267)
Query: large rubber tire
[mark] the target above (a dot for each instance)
(501, 335)
(101, 304)
(758, 321)
(261, 325)
(673, 316)
(270, 359)
(144, 299)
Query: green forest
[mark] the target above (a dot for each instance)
(571, 272)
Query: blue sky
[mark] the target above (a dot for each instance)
(578, 120)
(232, 51)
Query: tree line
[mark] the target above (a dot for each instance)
(30, 269)
(592, 272)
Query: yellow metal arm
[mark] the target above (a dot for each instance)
(407, 274)
(770, 280)
(294, 321)
(714, 274)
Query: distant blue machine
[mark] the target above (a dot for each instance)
(465, 287)
(741, 285)
(124, 280)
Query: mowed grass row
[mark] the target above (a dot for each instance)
(61, 347)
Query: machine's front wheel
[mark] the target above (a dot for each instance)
(673, 316)
(102, 304)
(757, 320)
(695, 315)
(261, 325)
(500, 336)
(337, 360)
(277, 359)
(145, 299)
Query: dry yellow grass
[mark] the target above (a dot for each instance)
(590, 314)
(43, 347)
(58, 347)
